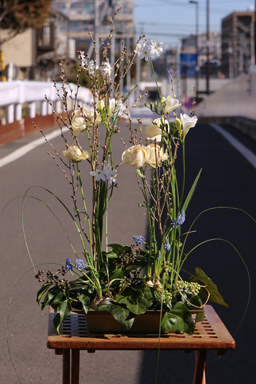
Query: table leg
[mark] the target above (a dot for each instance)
(75, 366)
(199, 374)
(66, 366)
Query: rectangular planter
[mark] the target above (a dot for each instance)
(104, 322)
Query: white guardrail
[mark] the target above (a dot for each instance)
(14, 94)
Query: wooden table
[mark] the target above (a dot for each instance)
(209, 334)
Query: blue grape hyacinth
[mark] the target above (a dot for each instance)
(178, 221)
(139, 239)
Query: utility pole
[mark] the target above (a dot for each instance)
(255, 32)
(208, 69)
(196, 45)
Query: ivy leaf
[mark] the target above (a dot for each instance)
(63, 311)
(42, 291)
(178, 319)
(57, 299)
(139, 307)
(122, 316)
(85, 301)
(199, 317)
(105, 305)
(116, 274)
(201, 278)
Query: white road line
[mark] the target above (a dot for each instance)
(15, 155)
(245, 152)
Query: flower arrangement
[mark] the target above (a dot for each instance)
(126, 280)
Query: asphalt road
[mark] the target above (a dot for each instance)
(227, 180)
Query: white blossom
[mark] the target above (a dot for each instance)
(155, 48)
(187, 122)
(106, 68)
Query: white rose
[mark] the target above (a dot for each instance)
(73, 153)
(78, 123)
(187, 122)
(137, 155)
(156, 155)
(171, 104)
(91, 117)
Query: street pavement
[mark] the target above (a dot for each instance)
(228, 179)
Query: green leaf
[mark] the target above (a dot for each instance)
(42, 291)
(63, 311)
(199, 317)
(201, 278)
(178, 319)
(191, 192)
(52, 292)
(122, 316)
(57, 299)
(139, 307)
(105, 305)
(116, 274)
(85, 301)
(117, 247)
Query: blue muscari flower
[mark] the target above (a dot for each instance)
(178, 221)
(167, 245)
(80, 264)
(139, 239)
(68, 265)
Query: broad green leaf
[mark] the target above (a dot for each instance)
(116, 274)
(199, 317)
(178, 319)
(201, 278)
(57, 299)
(85, 301)
(191, 192)
(117, 247)
(139, 307)
(105, 305)
(63, 311)
(42, 291)
(122, 316)
(52, 292)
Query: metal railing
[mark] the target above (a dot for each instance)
(37, 95)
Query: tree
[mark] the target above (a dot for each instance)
(18, 15)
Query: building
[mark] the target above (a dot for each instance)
(237, 43)
(77, 18)
(37, 52)
(188, 51)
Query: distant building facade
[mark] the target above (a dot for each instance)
(78, 17)
(188, 47)
(237, 46)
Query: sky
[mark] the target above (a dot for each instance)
(168, 21)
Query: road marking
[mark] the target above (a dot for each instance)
(245, 152)
(15, 155)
